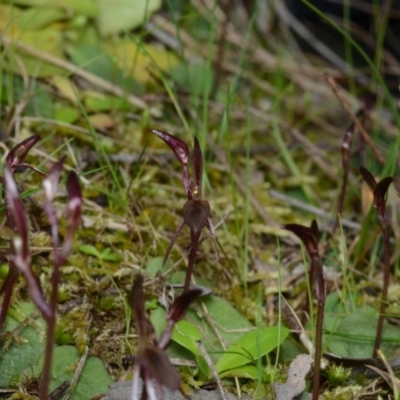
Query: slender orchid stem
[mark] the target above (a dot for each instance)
(7, 288)
(380, 192)
(386, 278)
(320, 293)
(194, 238)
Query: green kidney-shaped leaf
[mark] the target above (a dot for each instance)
(252, 346)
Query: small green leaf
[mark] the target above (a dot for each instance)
(245, 371)
(186, 334)
(118, 15)
(156, 264)
(106, 103)
(106, 255)
(252, 346)
(158, 319)
(67, 114)
(224, 315)
(91, 250)
(203, 366)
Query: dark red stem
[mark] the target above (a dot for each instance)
(7, 288)
(51, 322)
(386, 276)
(320, 294)
(194, 237)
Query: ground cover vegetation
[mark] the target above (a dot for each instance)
(107, 273)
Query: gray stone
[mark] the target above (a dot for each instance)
(123, 390)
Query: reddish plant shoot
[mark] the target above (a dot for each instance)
(346, 146)
(380, 194)
(21, 258)
(152, 361)
(181, 151)
(50, 187)
(196, 211)
(310, 237)
(74, 212)
(369, 102)
(73, 215)
(14, 159)
(18, 153)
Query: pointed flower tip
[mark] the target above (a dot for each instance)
(11, 186)
(50, 182)
(368, 178)
(308, 235)
(73, 186)
(136, 298)
(19, 222)
(182, 303)
(19, 152)
(74, 198)
(178, 146)
(381, 190)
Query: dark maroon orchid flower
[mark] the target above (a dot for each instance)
(380, 194)
(21, 257)
(196, 211)
(310, 237)
(152, 361)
